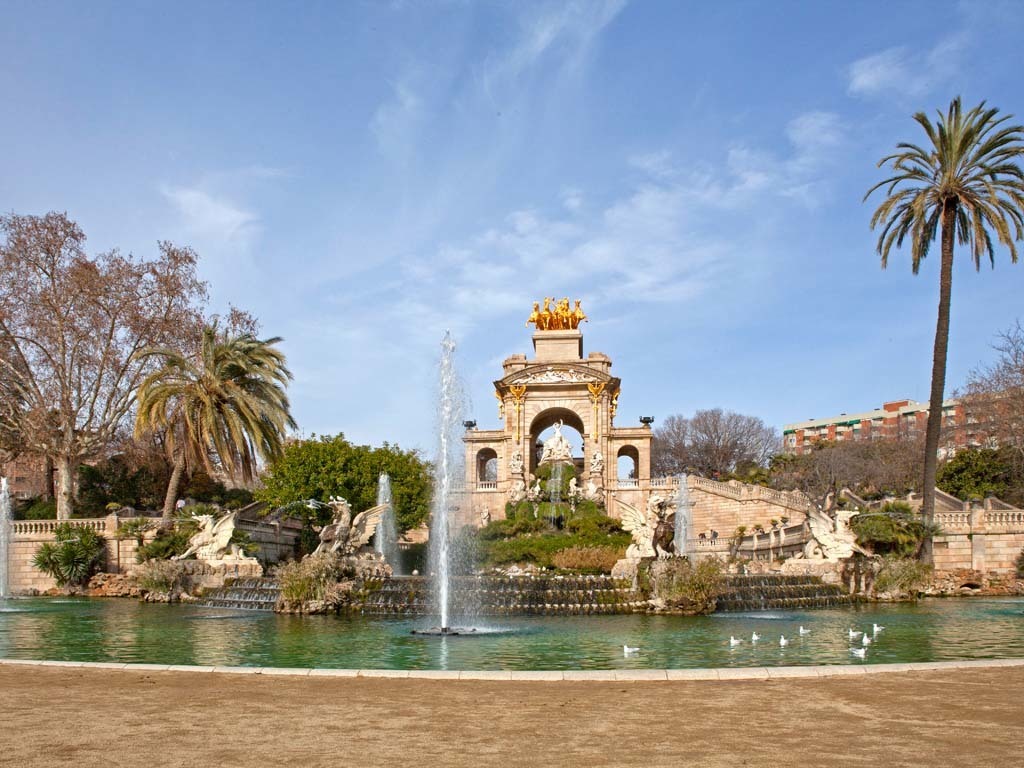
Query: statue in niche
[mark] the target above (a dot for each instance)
(485, 517)
(347, 535)
(515, 463)
(597, 462)
(556, 447)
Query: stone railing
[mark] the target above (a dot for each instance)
(1005, 519)
(44, 527)
(743, 492)
(627, 483)
(664, 482)
(487, 485)
(949, 520)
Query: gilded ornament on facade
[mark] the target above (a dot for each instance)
(557, 315)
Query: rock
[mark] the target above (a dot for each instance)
(114, 585)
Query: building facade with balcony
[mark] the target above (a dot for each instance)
(895, 420)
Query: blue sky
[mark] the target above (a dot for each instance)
(364, 175)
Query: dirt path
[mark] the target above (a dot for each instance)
(88, 717)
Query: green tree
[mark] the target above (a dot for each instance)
(965, 184)
(228, 401)
(327, 466)
(977, 473)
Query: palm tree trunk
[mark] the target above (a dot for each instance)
(172, 490)
(934, 431)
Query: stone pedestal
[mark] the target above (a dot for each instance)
(558, 346)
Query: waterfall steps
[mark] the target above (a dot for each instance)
(504, 596)
(545, 595)
(257, 594)
(773, 592)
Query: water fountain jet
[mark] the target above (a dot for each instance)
(385, 542)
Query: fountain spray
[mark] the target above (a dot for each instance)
(446, 472)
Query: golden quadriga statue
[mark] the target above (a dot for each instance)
(557, 315)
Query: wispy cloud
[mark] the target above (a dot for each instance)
(564, 32)
(899, 71)
(210, 217)
(397, 119)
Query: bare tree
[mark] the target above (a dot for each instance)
(712, 442)
(70, 328)
(993, 398)
(869, 468)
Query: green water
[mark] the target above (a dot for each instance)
(128, 631)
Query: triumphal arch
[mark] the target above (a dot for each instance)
(558, 387)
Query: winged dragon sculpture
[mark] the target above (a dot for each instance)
(212, 542)
(346, 535)
(652, 529)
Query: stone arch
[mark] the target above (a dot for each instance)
(627, 462)
(486, 465)
(546, 419)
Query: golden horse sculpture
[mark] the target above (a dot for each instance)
(557, 315)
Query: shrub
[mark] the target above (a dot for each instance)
(1019, 563)
(73, 556)
(163, 576)
(692, 587)
(894, 529)
(310, 578)
(902, 574)
(39, 509)
(169, 542)
(587, 559)
(134, 529)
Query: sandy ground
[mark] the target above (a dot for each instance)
(89, 717)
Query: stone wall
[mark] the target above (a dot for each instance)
(981, 537)
(277, 540)
(28, 535)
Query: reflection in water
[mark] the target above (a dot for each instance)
(128, 631)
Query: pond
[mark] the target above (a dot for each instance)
(128, 631)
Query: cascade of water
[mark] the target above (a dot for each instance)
(386, 539)
(5, 533)
(684, 520)
(555, 491)
(446, 474)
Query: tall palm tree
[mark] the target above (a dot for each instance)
(229, 401)
(964, 184)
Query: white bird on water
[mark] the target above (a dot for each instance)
(733, 641)
(859, 652)
(804, 631)
(855, 633)
(628, 650)
(876, 628)
(783, 642)
(755, 637)
(865, 640)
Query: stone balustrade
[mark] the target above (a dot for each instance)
(36, 527)
(487, 485)
(626, 482)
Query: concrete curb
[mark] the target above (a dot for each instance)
(603, 675)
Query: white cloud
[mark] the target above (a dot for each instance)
(210, 217)
(566, 31)
(901, 72)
